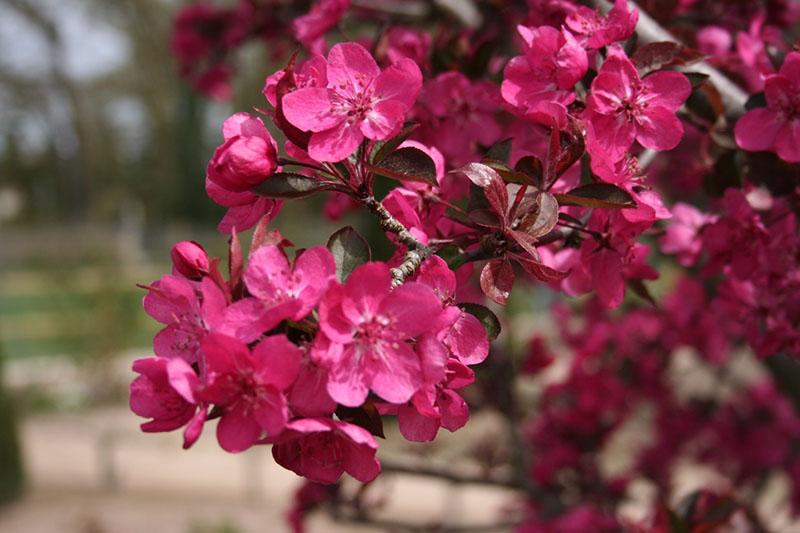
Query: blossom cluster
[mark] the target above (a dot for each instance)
(551, 146)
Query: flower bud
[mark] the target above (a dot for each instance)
(248, 156)
(189, 259)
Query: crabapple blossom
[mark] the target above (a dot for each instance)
(540, 83)
(280, 291)
(597, 30)
(622, 107)
(321, 449)
(777, 126)
(250, 387)
(367, 327)
(166, 391)
(188, 313)
(359, 101)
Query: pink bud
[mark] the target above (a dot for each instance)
(189, 260)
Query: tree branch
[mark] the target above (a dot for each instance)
(417, 251)
(427, 470)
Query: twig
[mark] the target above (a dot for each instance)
(417, 252)
(426, 470)
(405, 527)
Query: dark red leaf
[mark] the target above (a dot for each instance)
(408, 164)
(494, 188)
(654, 56)
(602, 195)
(366, 416)
(497, 280)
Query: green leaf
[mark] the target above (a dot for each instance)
(391, 145)
(602, 195)
(349, 250)
(408, 164)
(290, 185)
(486, 317)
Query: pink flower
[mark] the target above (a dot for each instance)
(600, 31)
(165, 391)
(249, 386)
(458, 114)
(246, 158)
(366, 327)
(683, 234)
(437, 405)
(540, 82)
(777, 126)
(465, 337)
(321, 449)
(622, 107)
(187, 314)
(359, 101)
(402, 41)
(281, 292)
(310, 28)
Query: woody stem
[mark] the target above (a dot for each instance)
(417, 251)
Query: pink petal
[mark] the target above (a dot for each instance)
(779, 91)
(791, 68)
(351, 69)
(606, 268)
(435, 273)
(194, 429)
(401, 83)
(361, 463)
(267, 273)
(183, 379)
(310, 109)
(758, 129)
(416, 427)
(668, 89)
(272, 413)
(277, 361)
(309, 396)
(454, 410)
(365, 289)
(313, 272)
(659, 129)
(335, 144)
(609, 135)
(787, 144)
(467, 340)
(384, 120)
(237, 432)
(346, 380)
(397, 373)
(222, 353)
(413, 309)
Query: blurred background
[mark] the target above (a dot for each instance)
(102, 158)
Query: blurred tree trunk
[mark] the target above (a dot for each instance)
(11, 474)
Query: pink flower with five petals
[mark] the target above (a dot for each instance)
(359, 101)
